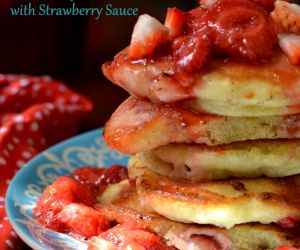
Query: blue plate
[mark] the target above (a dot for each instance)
(27, 186)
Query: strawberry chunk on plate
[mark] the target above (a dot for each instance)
(82, 220)
(63, 191)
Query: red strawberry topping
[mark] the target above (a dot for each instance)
(175, 22)
(235, 28)
(242, 29)
(82, 220)
(100, 176)
(198, 19)
(190, 53)
(66, 205)
(148, 34)
(63, 191)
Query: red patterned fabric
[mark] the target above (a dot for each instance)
(35, 113)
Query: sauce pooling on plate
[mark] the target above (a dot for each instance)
(67, 206)
(67, 203)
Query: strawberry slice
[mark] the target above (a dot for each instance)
(148, 34)
(63, 191)
(287, 15)
(82, 220)
(175, 22)
(290, 44)
(242, 29)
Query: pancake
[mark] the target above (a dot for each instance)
(222, 203)
(138, 126)
(223, 88)
(249, 159)
(121, 203)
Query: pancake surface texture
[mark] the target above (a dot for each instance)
(138, 126)
(222, 203)
(228, 89)
(196, 162)
(125, 205)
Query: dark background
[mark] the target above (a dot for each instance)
(73, 48)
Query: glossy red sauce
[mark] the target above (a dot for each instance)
(235, 29)
(98, 178)
(64, 191)
(67, 206)
(187, 118)
(190, 118)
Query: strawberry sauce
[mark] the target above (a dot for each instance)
(230, 29)
(67, 205)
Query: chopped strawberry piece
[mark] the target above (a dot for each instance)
(131, 236)
(88, 175)
(148, 34)
(115, 174)
(198, 19)
(100, 176)
(242, 29)
(175, 22)
(190, 53)
(290, 44)
(63, 191)
(287, 15)
(82, 220)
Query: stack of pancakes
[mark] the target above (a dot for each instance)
(226, 156)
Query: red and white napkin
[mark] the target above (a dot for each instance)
(35, 113)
